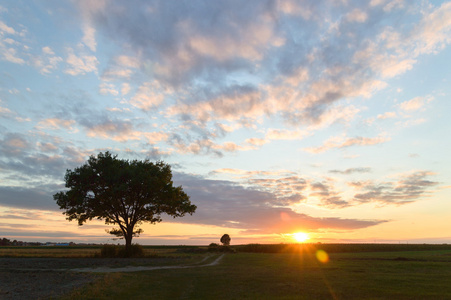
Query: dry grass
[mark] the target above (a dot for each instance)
(50, 251)
(73, 251)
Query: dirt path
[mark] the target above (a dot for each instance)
(144, 268)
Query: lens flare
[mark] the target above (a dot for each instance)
(322, 256)
(300, 237)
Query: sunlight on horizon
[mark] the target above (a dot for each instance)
(300, 237)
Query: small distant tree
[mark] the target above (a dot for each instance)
(121, 192)
(225, 240)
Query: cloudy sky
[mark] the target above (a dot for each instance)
(326, 117)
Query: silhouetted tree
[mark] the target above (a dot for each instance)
(121, 192)
(225, 240)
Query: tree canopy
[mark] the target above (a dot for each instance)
(122, 192)
(225, 240)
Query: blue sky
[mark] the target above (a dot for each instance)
(326, 117)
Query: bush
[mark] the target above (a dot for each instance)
(109, 251)
(119, 251)
(213, 247)
(136, 250)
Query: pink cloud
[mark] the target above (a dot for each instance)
(55, 123)
(415, 103)
(342, 142)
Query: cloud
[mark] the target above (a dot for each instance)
(327, 195)
(432, 32)
(80, 65)
(290, 188)
(249, 174)
(6, 29)
(343, 142)
(5, 112)
(55, 123)
(415, 104)
(125, 88)
(357, 16)
(27, 198)
(35, 159)
(211, 63)
(287, 190)
(14, 143)
(10, 54)
(285, 134)
(233, 103)
(149, 96)
(108, 88)
(351, 171)
(89, 37)
(120, 130)
(409, 188)
(227, 204)
(256, 142)
(386, 115)
(47, 61)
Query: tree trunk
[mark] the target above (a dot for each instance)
(128, 243)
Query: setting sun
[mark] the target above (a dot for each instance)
(300, 236)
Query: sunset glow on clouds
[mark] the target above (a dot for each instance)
(277, 117)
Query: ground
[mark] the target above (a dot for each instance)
(43, 278)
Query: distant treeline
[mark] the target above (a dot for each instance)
(338, 248)
(8, 242)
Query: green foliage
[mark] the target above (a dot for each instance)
(122, 192)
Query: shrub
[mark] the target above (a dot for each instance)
(109, 251)
(135, 251)
(213, 247)
(119, 251)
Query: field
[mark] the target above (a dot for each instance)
(270, 272)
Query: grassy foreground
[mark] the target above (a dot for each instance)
(297, 275)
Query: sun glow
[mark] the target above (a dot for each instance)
(300, 237)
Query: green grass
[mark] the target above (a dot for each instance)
(358, 275)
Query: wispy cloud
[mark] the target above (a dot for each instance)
(407, 189)
(343, 142)
(415, 104)
(352, 170)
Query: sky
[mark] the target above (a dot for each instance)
(324, 117)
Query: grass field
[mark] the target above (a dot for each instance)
(74, 251)
(398, 274)
(275, 272)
